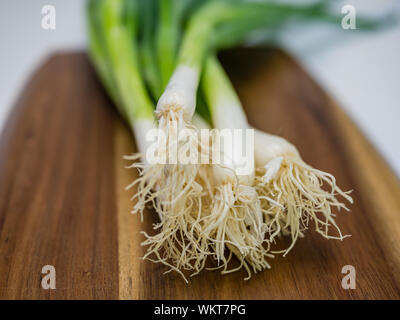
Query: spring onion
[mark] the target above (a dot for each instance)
(163, 50)
(236, 215)
(290, 190)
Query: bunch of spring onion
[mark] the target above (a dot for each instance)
(153, 56)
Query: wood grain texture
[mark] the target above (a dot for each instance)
(63, 203)
(57, 192)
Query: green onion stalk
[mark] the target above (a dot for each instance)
(177, 199)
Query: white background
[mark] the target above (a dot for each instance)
(360, 70)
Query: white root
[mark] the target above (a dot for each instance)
(178, 193)
(235, 224)
(201, 219)
(180, 198)
(293, 193)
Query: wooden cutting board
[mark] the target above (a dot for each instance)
(63, 203)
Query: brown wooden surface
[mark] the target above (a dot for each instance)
(62, 198)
